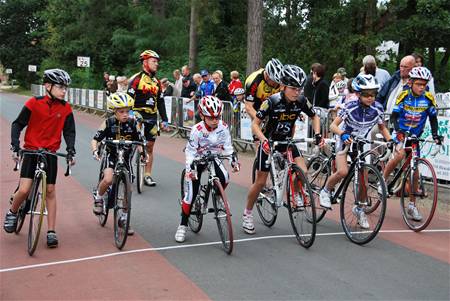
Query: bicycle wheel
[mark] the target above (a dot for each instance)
(301, 207)
(22, 212)
(37, 209)
(360, 219)
(423, 195)
(103, 217)
(318, 173)
(222, 216)
(265, 203)
(122, 209)
(139, 172)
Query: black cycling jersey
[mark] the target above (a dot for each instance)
(282, 115)
(112, 129)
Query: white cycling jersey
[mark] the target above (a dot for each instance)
(202, 140)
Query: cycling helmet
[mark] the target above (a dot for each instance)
(273, 69)
(365, 82)
(340, 85)
(210, 106)
(120, 100)
(293, 76)
(239, 91)
(148, 54)
(420, 73)
(57, 76)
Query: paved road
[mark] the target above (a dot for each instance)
(268, 266)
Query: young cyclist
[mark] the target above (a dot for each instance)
(411, 110)
(209, 135)
(282, 110)
(46, 118)
(356, 119)
(119, 126)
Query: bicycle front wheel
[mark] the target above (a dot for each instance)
(122, 209)
(318, 172)
(265, 203)
(37, 211)
(361, 219)
(422, 195)
(301, 207)
(222, 216)
(139, 172)
(22, 213)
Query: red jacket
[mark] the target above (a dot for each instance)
(235, 83)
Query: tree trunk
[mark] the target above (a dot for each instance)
(442, 66)
(432, 59)
(254, 35)
(193, 39)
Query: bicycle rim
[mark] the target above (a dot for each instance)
(424, 195)
(122, 210)
(37, 209)
(23, 210)
(359, 203)
(195, 221)
(318, 173)
(222, 216)
(265, 203)
(301, 207)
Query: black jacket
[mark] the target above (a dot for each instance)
(221, 92)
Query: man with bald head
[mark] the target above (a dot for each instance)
(396, 84)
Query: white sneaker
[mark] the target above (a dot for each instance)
(413, 213)
(247, 224)
(361, 216)
(180, 235)
(325, 201)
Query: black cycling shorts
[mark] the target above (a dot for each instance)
(261, 156)
(29, 163)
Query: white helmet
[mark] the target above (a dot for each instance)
(239, 91)
(420, 73)
(273, 69)
(210, 106)
(365, 82)
(340, 85)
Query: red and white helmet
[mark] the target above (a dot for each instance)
(420, 73)
(210, 106)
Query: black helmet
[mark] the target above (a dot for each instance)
(293, 76)
(57, 76)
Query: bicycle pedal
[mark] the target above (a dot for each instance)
(211, 210)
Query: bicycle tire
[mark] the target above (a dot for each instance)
(37, 208)
(139, 173)
(222, 216)
(426, 202)
(265, 203)
(318, 173)
(350, 208)
(122, 209)
(22, 212)
(195, 221)
(103, 217)
(303, 218)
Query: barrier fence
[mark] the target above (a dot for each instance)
(181, 115)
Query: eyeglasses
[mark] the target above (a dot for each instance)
(369, 94)
(61, 87)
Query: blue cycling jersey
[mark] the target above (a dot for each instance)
(207, 88)
(358, 120)
(413, 111)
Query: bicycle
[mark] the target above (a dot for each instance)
(285, 175)
(221, 208)
(118, 196)
(35, 203)
(365, 179)
(139, 158)
(420, 172)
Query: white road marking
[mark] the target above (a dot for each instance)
(183, 246)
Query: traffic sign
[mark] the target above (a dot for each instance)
(32, 68)
(83, 61)
(8, 71)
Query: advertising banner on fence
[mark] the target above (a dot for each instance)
(246, 125)
(100, 96)
(441, 162)
(301, 131)
(188, 112)
(168, 104)
(91, 98)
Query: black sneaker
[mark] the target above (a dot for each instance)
(52, 240)
(149, 181)
(10, 223)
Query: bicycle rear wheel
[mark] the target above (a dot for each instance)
(318, 173)
(37, 209)
(358, 205)
(423, 195)
(265, 203)
(122, 209)
(139, 172)
(222, 216)
(301, 207)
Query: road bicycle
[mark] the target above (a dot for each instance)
(286, 176)
(118, 196)
(35, 203)
(220, 206)
(357, 193)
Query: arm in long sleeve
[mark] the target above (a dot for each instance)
(162, 108)
(434, 125)
(69, 133)
(191, 148)
(18, 125)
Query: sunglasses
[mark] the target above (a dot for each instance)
(369, 94)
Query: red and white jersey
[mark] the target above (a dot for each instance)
(203, 140)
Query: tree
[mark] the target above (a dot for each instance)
(193, 51)
(254, 35)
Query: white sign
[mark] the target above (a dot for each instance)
(168, 104)
(441, 162)
(83, 61)
(246, 124)
(32, 68)
(188, 112)
(8, 71)
(301, 131)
